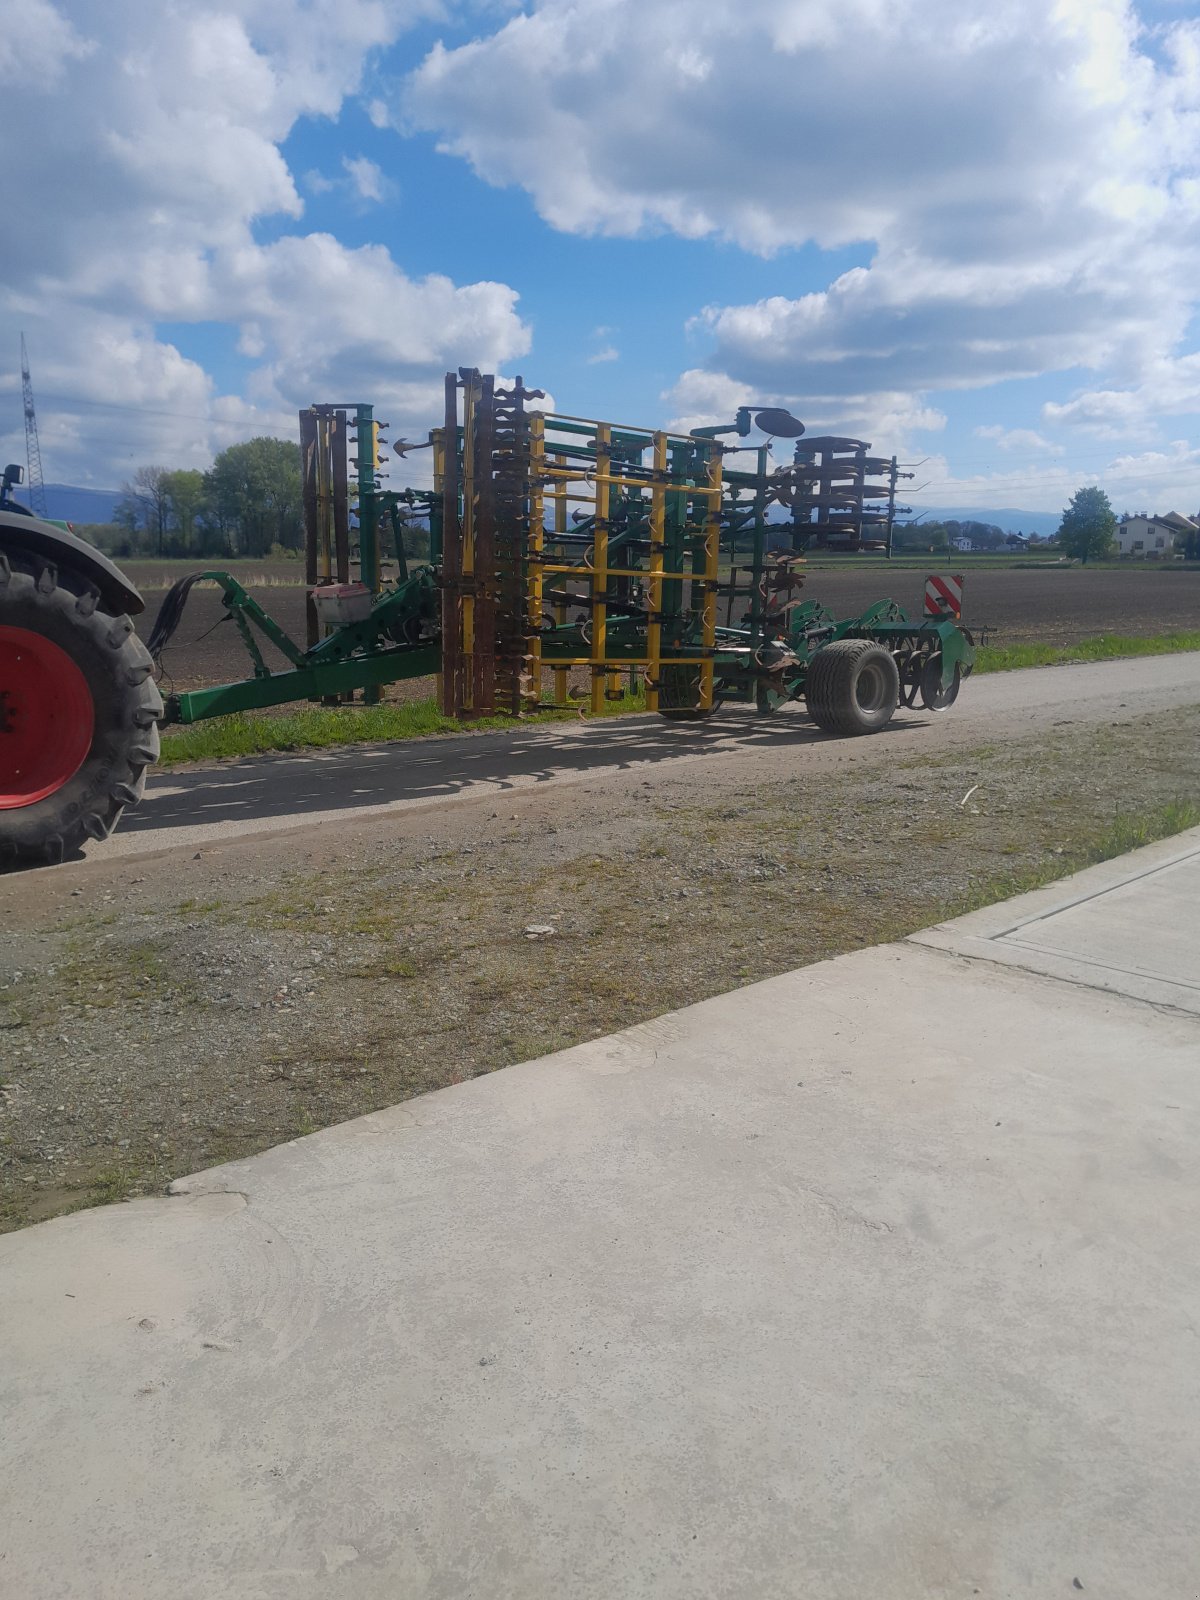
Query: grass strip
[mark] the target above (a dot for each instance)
(313, 728)
(1107, 647)
(320, 728)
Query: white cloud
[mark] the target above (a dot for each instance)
(36, 41)
(1165, 479)
(1168, 387)
(331, 318)
(608, 353)
(1024, 176)
(366, 178)
(1026, 439)
(672, 133)
(151, 138)
(703, 398)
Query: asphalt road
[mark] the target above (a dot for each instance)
(199, 806)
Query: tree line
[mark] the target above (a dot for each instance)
(934, 535)
(248, 503)
(1087, 532)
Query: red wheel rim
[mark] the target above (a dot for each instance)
(47, 718)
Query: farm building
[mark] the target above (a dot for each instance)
(1144, 535)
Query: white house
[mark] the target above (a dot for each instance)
(1150, 536)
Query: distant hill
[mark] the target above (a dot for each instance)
(1043, 522)
(65, 503)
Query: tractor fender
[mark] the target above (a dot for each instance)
(66, 550)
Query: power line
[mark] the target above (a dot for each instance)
(1033, 474)
(1033, 463)
(1070, 475)
(144, 411)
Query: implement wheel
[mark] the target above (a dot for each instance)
(933, 696)
(679, 694)
(78, 715)
(853, 686)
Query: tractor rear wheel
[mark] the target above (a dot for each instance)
(853, 686)
(78, 714)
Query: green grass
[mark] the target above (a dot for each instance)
(979, 560)
(314, 728)
(930, 560)
(1108, 647)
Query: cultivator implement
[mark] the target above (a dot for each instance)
(571, 559)
(575, 547)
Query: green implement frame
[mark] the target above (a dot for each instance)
(563, 549)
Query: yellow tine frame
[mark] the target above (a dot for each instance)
(437, 438)
(324, 502)
(624, 481)
(654, 586)
(712, 556)
(559, 495)
(537, 539)
(600, 568)
(470, 401)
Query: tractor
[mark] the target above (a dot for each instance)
(79, 707)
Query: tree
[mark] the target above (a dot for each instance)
(148, 491)
(1088, 526)
(127, 515)
(185, 497)
(255, 488)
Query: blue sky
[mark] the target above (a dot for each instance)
(968, 232)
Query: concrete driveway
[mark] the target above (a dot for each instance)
(877, 1281)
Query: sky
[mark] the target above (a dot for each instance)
(965, 230)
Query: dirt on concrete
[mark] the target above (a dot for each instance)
(160, 1013)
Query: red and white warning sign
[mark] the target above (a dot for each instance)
(943, 596)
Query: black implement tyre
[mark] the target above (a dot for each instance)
(78, 714)
(933, 696)
(679, 694)
(853, 686)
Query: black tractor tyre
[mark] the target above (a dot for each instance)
(852, 687)
(679, 693)
(113, 673)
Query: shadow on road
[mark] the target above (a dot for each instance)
(424, 770)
